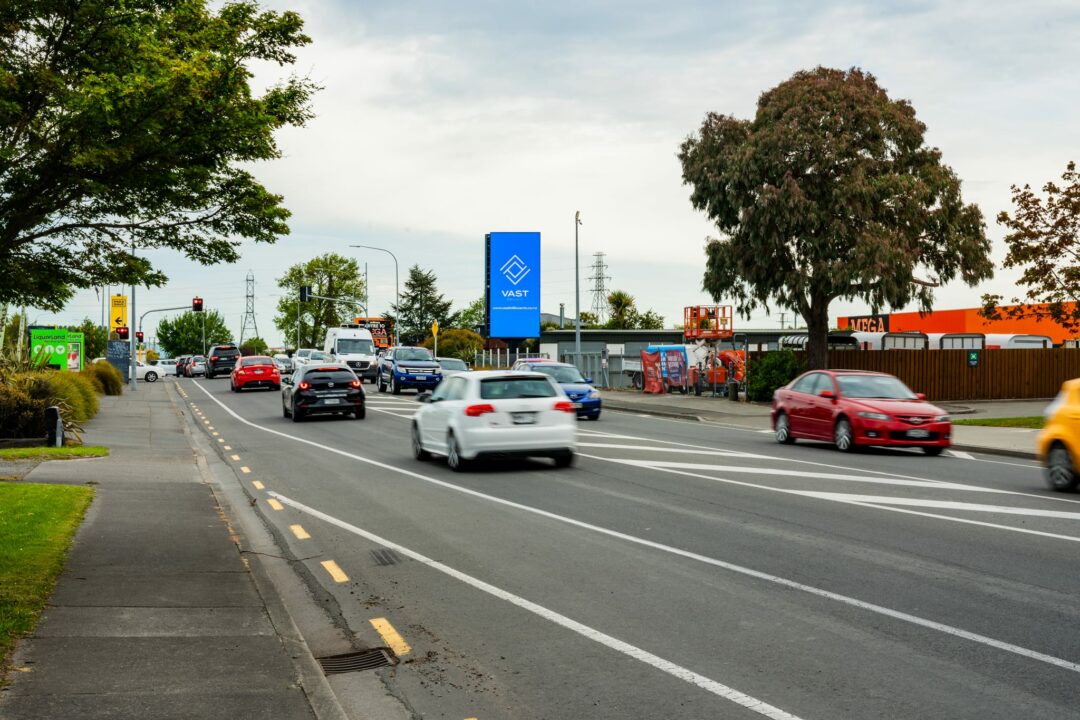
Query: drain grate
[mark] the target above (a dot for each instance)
(356, 661)
(385, 556)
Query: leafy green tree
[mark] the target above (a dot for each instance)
(829, 192)
(254, 346)
(330, 276)
(650, 321)
(1044, 239)
(473, 315)
(588, 321)
(421, 304)
(626, 316)
(183, 335)
(95, 338)
(457, 343)
(133, 125)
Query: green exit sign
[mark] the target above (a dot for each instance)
(973, 358)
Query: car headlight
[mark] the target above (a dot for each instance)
(873, 416)
(942, 418)
(594, 394)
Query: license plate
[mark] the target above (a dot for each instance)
(421, 377)
(331, 401)
(523, 418)
(258, 372)
(919, 434)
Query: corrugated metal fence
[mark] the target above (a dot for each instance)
(945, 374)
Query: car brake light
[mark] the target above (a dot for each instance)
(355, 384)
(478, 410)
(304, 385)
(565, 406)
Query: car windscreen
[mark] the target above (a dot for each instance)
(412, 354)
(249, 361)
(355, 346)
(198, 359)
(561, 373)
(873, 386)
(335, 376)
(508, 388)
(451, 364)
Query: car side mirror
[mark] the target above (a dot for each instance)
(827, 394)
(286, 381)
(588, 381)
(424, 397)
(920, 396)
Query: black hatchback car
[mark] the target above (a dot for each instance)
(322, 390)
(221, 360)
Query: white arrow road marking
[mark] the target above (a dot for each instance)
(739, 569)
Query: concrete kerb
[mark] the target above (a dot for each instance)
(316, 687)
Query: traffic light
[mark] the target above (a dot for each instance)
(122, 333)
(305, 293)
(139, 335)
(196, 304)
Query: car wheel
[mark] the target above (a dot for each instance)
(783, 430)
(285, 410)
(453, 455)
(933, 451)
(564, 459)
(151, 377)
(209, 375)
(360, 413)
(594, 417)
(395, 388)
(382, 385)
(418, 450)
(843, 437)
(1060, 475)
(297, 415)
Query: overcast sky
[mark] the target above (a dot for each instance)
(441, 121)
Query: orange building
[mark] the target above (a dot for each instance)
(959, 321)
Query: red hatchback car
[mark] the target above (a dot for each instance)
(852, 408)
(255, 371)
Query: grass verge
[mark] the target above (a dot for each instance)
(37, 523)
(53, 453)
(1034, 422)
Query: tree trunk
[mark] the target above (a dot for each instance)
(817, 328)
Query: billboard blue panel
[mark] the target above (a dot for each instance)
(513, 262)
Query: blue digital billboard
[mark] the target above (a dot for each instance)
(513, 284)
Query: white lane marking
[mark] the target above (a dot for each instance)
(395, 413)
(960, 454)
(804, 493)
(682, 673)
(739, 569)
(784, 472)
(682, 451)
(941, 505)
(766, 432)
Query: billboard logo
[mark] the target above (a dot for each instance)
(514, 269)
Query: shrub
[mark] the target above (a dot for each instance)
(78, 384)
(108, 377)
(21, 416)
(771, 371)
(73, 392)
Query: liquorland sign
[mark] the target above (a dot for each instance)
(512, 284)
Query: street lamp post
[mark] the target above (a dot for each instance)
(577, 293)
(397, 290)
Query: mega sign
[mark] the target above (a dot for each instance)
(513, 284)
(869, 323)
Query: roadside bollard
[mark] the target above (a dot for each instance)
(54, 426)
(733, 391)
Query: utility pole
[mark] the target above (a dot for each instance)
(599, 288)
(782, 316)
(249, 309)
(577, 291)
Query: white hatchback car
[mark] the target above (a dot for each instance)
(495, 413)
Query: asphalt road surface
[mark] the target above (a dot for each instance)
(678, 570)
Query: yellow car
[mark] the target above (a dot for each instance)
(1058, 445)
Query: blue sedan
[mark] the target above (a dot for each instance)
(579, 389)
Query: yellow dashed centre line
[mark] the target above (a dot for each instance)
(245, 469)
(299, 532)
(390, 636)
(276, 505)
(221, 439)
(227, 447)
(214, 433)
(336, 573)
(257, 485)
(235, 457)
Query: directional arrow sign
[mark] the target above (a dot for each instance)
(119, 314)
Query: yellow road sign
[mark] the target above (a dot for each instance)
(435, 328)
(118, 316)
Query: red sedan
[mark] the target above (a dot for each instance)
(853, 408)
(255, 371)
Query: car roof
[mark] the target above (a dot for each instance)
(856, 372)
(486, 374)
(550, 362)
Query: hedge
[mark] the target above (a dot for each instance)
(25, 395)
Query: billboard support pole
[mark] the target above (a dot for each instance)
(577, 291)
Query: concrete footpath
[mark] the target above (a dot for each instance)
(157, 614)
(1014, 442)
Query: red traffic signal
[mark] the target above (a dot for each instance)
(122, 333)
(196, 304)
(139, 335)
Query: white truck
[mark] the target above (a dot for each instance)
(355, 347)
